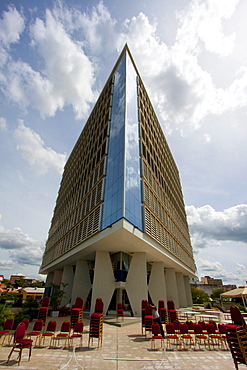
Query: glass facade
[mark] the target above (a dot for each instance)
(113, 196)
(122, 197)
(133, 205)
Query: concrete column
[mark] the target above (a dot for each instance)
(157, 284)
(49, 279)
(181, 290)
(104, 280)
(82, 283)
(188, 291)
(171, 286)
(67, 278)
(57, 277)
(136, 282)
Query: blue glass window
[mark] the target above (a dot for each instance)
(122, 197)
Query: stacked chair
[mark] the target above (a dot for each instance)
(120, 310)
(96, 323)
(172, 313)
(76, 312)
(236, 334)
(148, 319)
(143, 310)
(162, 312)
(43, 310)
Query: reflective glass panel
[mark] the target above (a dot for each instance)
(114, 182)
(133, 206)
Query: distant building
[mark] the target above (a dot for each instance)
(208, 284)
(35, 293)
(119, 229)
(13, 278)
(1, 277)
(211, 281)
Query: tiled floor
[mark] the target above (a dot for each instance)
(123, 348)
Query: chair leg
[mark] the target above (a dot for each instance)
(19, 357)
(12, 350)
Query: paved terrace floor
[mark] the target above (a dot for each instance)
(123, 347)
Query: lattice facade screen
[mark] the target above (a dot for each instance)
(164, 211)
(78, 206)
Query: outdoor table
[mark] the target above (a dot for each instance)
(204, 316)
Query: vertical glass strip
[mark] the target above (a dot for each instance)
(114, 182)
(133, 205)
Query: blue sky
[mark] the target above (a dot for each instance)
(54, 60)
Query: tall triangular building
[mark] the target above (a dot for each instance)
(119, 229)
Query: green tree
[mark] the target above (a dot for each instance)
(7, 283)
(57, 296)
(215, 295)
(198, 295)
(5, 313)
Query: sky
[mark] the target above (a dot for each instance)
(55, 57)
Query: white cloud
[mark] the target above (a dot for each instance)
(99, 29)
(216, 270)
(182, 89)
(3, 124)
(66, 79)
(208, 226)
(23, 250)
(11, 26)
(203, 21)
(32, 149)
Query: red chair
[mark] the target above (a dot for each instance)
(78, 303)
(7, 330)
(213, 337)
(170, 305)
(173, 315)
(156, 335)
(77, 332)
(20, 343)
(200, 336)
(222, 332)
(203, 325)
(96, 323)
(50, 331)
(148, 319)
(120, 310)
(171, 336)
(177, 324)
(76, 312)
(214, 325)
(162, 311)
(25, 322)
(45, 302)
(37, 329)
(64, 333)
(190, 325)
(99, 306)
(186, 337)
(43, 310)
(237, 317)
